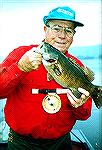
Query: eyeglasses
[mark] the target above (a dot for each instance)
(58, 29)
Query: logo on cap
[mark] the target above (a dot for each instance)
(65, 12)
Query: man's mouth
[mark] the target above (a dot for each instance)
(60, 42)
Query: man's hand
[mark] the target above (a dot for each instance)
(30, 61)
(78, 102)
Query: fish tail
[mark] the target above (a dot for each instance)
(97, 96)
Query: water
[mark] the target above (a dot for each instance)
(96, 67)
(94, 123)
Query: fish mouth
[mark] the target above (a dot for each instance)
(50, 58)
(49, 62)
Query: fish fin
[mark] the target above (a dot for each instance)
(97, 96)
(49, 77)
(89, 73)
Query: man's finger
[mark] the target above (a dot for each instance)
(71, 99)
(72, 95)
(83, 91)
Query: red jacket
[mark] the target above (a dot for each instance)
(23, 110)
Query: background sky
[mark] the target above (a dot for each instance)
(21, 22)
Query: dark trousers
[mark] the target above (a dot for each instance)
(20, 142)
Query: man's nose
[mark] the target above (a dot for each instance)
(62, 33)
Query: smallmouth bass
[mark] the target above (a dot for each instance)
(68, 74)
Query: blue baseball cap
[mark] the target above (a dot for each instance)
(62, 13)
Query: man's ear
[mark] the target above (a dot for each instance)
(45, 28)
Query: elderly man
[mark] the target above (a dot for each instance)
(32, 127)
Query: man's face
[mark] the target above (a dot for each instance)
(59, 34)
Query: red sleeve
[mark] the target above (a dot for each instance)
(82, 112)
(10, 74)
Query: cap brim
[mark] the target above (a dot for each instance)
(77, 23)
(46, 19)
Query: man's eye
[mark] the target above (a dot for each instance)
(68, 31)
(56, 29)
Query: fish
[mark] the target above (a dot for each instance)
(68, 74)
